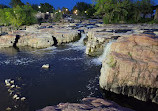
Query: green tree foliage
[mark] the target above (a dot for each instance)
(14, 3)
(146, 7)
(35, 7)
(115, 11)
(81, 7)
(57, 15)
(112, 10)
(90, 12)
(3, 6)
(17, 16)
(4, 19)
(65, 10)
(46, 7)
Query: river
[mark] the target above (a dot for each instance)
(72, 76)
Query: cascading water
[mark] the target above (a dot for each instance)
(105, 53)
(80, 42)
(79, 45)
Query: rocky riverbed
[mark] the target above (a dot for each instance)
(88, 104)
(127, 52)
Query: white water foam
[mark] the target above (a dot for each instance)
(79, 45)
(91, 86)
(71, 59)
(17, 61)
(99, 60)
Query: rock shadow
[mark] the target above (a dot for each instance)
(55, 41)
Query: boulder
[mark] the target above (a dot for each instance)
(36, 40)
(66, 36)
(131, 67)
(7, 40)
(87, 104)
(97, 41)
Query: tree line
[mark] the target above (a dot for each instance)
(128, 11)
(112, 11)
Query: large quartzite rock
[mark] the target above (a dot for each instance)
(36, 40)
(97, 41)
(88, 104)
(65, 36)
(7, 40)
(131, 67)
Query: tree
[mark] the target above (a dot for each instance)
(90, 12)
(3, 6)
(146, 7)
(14, 3)
(112, 10)
(4, 19)
(81, 7)
(65, 10)
(156, 14)
(35, 7)
(46, 7)
(17, 16)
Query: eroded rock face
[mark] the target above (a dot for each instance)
(96, 42)
(131, 68)
(7, 40)
(39, 38)
(66, 36)
(88, 104)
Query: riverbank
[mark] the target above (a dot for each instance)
(113, 45)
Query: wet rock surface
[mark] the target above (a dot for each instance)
(131, 68)
(87, 104)
(37, 37)
(7, 40)
(97, 41)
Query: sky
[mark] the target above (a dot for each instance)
(56, 3)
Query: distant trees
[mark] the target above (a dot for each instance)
(81, 7)
(15, 3)
(4, 19)
(115, 11)
(46, 7)
(3, 6)
(17, 16)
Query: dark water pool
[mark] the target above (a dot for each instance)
(71, 76)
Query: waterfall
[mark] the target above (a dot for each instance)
(80, 42)
(105, 53)
(78, 45)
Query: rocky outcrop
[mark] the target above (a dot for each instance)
(131, 67)
(97, 41)
(39, 38)
(88, 104)
(7, 40)
(66, 36)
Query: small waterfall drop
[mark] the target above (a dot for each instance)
(106, 51)
(80, 42)
(79, 45)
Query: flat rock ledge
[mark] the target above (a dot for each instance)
(97, 41)
(39, 38)
(87, 104)
(131, 67)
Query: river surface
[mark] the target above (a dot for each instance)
(72, 76)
